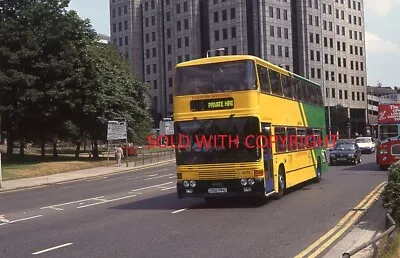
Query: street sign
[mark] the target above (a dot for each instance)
(167, 127)
(116, 130)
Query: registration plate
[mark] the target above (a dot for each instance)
(217, 190)
(342, 158)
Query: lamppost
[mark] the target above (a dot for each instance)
(329, 105)
(218, 49)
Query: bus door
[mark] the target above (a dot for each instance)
(268, 164)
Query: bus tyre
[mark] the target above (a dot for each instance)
(318, 171)
(281, 183)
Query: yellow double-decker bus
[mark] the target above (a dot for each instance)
(244, 128)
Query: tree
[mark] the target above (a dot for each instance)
(56, 82)
(110, 93)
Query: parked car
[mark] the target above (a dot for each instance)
(345, 152)
(366, 144)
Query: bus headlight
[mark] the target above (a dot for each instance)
(192, 183)
(243, 182)
(251, 181)
(185, 184)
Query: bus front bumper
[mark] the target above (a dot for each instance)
(220, 188)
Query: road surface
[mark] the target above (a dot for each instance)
(138, 215)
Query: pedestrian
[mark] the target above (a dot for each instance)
(119, 154)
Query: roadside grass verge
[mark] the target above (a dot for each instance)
(32, 165)
(393, 250)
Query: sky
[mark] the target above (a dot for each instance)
(382, 35)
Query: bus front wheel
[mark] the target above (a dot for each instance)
(281, 183)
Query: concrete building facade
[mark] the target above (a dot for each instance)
(323, 40)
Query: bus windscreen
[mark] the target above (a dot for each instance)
(215, 77)
(199, 147)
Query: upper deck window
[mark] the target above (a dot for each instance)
(216, 77)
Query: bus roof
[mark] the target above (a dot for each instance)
(227, 58)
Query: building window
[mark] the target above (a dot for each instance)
(234, 50)
(224, 15)
(233, 13)
(224, 33)
(233, 32)
(216, 35)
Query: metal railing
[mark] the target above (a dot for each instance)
(388, 232)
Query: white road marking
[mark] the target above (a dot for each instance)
(179, 210)
(148, 187)
(55, 208)
(52, 248)
(158, 176)
(168, 188)
(160, 170)
(17, 220)
(100, 199)
(105, 201)
(172, 177)
(152, 175)
(71, 202)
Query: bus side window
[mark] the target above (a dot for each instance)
(287, 86)
(300, 91)
(275, 81)
(280, 139)
(292, 139)
(307, 93)
(264, 81)
(319, 95)
(295, 89)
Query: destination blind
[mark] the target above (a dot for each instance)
(212, 104)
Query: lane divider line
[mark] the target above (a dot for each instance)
(66, 203)
(23, 219)
(346, 221)
(168, 188)
(106, 201)
(148, 187)
(158, 177)
(51, 249)
(179, 210)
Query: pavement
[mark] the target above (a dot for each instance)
(157, 160)
(371, 225)
(134, 212)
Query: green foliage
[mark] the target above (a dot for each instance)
(57, 82)
(391, 192)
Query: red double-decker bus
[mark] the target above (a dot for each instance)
(388, 150)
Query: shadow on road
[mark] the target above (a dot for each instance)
(371, 166)
(171, 202)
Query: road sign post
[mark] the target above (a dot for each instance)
(1, 174)
(117, 130)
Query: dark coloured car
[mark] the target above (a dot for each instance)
(345, 152)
